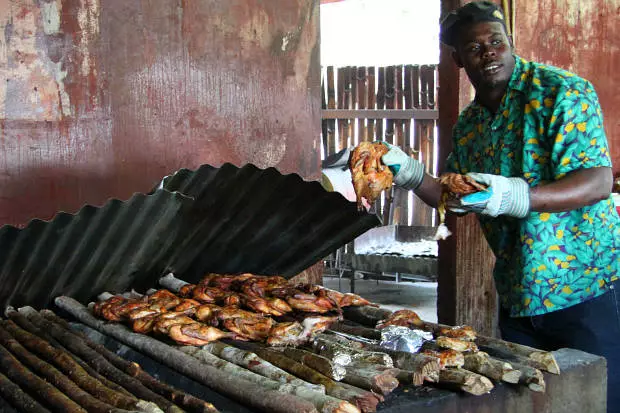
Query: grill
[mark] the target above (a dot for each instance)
(223, 220)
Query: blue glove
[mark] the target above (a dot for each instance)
(504, 196)
(408, 173)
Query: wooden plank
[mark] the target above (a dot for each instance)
(380, 101)
(342, 140)
(324, 126)
(371, 102)
(423, 87)
(418, 114)
(415, 85)
(362, 98)
(389, 101)
(398, 104)
(330, 124)
(354, 139)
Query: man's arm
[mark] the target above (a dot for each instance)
(577, 189)
(429, 191)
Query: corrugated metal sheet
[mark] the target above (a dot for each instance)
(226, 220)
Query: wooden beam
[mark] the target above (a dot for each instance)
(380, 114)
(465, 291)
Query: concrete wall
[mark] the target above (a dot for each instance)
(101, 99)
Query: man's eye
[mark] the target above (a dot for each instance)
(496, 42)
(473, 48)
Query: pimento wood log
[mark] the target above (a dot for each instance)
(254, 363)
(18, 398)
(494, 369)
(366, 401)
(65, 363)
(319, 363)
(323, 403)
(241, 390)
(24, 323)
(544, 359)
(465, 380)
(330, 347)
(46, 393)
(97, 361)
(187, 401)
(372, 377)
(53, 375)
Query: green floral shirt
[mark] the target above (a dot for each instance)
(549, 123)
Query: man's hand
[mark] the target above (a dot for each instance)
(408, 173)
(504, 196)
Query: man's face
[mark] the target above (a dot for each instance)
(485, 52)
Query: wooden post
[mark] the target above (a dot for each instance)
(371, 102)
(331, 104)
(465, 293)
(362, 98)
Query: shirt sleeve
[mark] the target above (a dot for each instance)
(576, 128)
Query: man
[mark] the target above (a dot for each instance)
(534, 134)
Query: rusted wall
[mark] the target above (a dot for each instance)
(100, 99)
(582, 36)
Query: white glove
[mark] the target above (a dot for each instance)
(408, 173)
(504, 196)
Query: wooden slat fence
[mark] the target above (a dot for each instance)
(396, 104)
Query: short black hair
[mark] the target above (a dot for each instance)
(474, 12)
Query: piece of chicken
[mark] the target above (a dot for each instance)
(406, 318)
(309, 303)
(466, 333)
(285, 334)
(459, 185)
(369, 175)
(144, 325)
(162, 325)
(187, 290)
(196, 334)
(143, 312)
(229, 299)
(187, 306)
(206, 294)
(207, 313)
(350, 299)
(456, 344)
(447, 357)
(255, 329)
(163, 299)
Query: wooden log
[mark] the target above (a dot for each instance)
(321, 401)
(465, 380)
(531, 377)
(360, 331)
(546, 361)
(252, 362)
(317, 362)
(366, 315)
(330, 347)
(512, 358)
(52, 375)
(494, 369)
(25, 324)
(184, 400)
(372, 377)
(98, 362)
(18, 398)
(67, 365)
(170, 282)
(364, 400)
(241, 390)
(46, 393)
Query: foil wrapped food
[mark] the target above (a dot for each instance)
(403, 338)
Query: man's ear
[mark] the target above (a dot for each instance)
(457, 58)
(512, 44)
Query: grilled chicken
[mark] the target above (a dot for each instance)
(369, 175)
(447, 357)
(144, 325)
(456, 344)
(162, 325)
(466, 333)
(285, 334)
(406, 318)
(196, 334)
(459, 185)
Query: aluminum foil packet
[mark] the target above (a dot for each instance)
(403, 338)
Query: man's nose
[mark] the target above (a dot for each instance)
(488, 51)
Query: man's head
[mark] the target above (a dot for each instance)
(477, 33)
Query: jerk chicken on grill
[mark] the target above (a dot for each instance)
(205, 311)
(369, 175)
